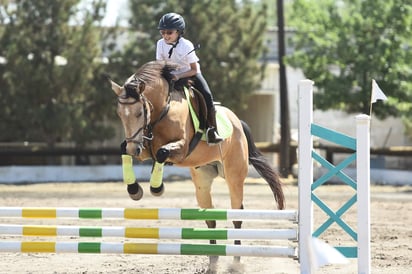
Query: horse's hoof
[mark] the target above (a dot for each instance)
(135, 191)
(236, 267)
(212, 269)
(157, 191)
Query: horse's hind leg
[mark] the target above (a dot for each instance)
(237, 225)
(235, 176)
(203, 178)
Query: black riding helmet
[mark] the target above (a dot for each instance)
(172, 21)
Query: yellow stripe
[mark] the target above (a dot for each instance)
(39, 231)
(39, 213)
(135, 232)
(38, 247)
(130, 248)
(141, 213)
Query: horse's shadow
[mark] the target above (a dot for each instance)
(236, 267)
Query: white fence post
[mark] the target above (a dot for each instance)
(363, 192)
(305, 173)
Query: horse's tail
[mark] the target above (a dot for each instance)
(261, 165)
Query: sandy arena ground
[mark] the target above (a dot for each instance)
(391, 228)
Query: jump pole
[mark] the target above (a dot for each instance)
(147, 248)
(148, 213)
(149, 232)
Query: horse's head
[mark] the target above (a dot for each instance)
(146, 91)
(134, 111)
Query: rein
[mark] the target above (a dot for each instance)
(163, 114)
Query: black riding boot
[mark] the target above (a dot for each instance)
(211, 133)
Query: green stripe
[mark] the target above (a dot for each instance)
(90, 213)
(90, 232)
(88, 247)
(203, 214)
(199, 249)
(204, 234)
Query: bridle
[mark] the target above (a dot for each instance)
(146, 105)
(134, 89)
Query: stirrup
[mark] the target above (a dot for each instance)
(213, 137)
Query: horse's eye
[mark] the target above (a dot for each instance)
(139, 113)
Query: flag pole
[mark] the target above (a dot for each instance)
(371, 101)
(370, 108)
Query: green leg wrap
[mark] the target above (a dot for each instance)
(128, 172)
(156, 178)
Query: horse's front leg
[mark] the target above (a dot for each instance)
(133, 188)
(172, 152)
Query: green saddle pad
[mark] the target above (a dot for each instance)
(224, 126)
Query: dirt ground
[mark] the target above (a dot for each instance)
(391, 229)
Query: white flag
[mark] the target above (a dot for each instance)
(322, 254)
(377, 93)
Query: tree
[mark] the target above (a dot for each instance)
(230, 34)
(50, 90)
(343, 45)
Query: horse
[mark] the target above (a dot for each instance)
(158, 125)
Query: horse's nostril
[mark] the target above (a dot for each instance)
(138, 150)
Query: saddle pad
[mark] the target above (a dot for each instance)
(224, 126)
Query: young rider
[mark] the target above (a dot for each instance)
(172, 46)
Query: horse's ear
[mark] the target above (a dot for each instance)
(116, 88)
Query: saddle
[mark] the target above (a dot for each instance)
(199, 113)
(197, 108)
(195, 98)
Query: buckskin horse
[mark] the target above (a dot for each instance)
(159, 124)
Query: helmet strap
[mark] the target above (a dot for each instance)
(173, 46)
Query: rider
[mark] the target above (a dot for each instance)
(175, 48)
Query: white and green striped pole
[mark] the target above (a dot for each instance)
(147, 248)
(151, 233)
(149, 213)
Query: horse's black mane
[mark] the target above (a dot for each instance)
(149, 75)
(151, 71)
